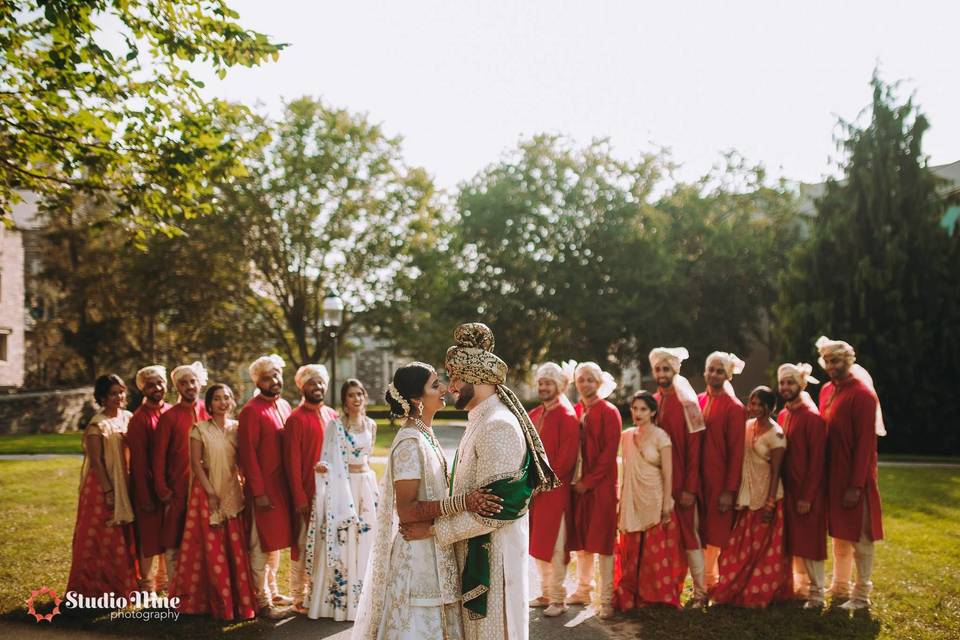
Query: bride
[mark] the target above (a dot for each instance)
(412, 588)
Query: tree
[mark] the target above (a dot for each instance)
(117, 307)
(120, 116)
(329, 204)
(566, 254)
(879, 272)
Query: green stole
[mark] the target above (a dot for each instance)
(515, 491)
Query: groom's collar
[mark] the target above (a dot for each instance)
(480, 411)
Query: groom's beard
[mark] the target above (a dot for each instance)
(464, 397)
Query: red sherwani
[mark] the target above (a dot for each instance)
(260, 435)
(849, 409)
(595, 512)
(804, 471)
(721, 464)
(140, 435)
(302, 445)
(686, 461)
(171, 466)
(559, 431)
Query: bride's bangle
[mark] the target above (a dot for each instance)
(453, 504)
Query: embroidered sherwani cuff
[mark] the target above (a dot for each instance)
(462, 526)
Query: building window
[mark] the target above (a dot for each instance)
(4, 333)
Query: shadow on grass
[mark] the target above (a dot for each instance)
(782, 621)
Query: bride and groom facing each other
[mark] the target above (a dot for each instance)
(450, 555)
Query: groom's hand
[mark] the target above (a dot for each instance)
(416, 530)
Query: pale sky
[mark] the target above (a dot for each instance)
(463, 81)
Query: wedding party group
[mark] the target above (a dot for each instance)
(185, 499)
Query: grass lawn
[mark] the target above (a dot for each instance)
(53, 443)
(917, 593)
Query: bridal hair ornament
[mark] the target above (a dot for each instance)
(393, 393)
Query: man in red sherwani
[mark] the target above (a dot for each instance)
(302, 446)
(260, 449)
(721, 461)
(171, 456)
(679, 415)
(849, 406)
(551, 512)
(804, 482)
(152, 382)
(594, 528)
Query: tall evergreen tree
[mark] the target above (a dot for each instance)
(877, 273)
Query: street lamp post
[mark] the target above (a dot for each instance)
(332, 319)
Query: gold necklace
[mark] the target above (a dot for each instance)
(434, 443)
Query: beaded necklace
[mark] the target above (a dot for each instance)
(434, 443)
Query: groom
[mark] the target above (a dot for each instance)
(501, 450)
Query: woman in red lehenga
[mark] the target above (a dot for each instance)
(650, 561)
(754, 568)
(213, 573)
(104, 551)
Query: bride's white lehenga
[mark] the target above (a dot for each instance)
(343, 522)
(411, 589)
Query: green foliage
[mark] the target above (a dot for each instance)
(328, 204)
(880, 273)
(566, 254)
(96, 96)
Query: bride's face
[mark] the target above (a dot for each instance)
(434, 393)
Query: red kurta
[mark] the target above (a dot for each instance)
(850, 409)
(302, 446)
(595, 512)
(721, 464)
(686, 461)
(146, 507)
(171, 466)
(804, 471)
(260, 434)
(559, 431)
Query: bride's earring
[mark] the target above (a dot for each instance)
(419, 406)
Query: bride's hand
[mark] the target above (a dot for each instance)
(320, 468)
(484, 502)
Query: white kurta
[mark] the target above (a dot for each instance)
(492, 448)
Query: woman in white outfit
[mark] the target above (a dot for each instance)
(412, 588)
(343, 524)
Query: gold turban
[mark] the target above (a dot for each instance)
(472, 360)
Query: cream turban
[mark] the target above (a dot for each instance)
(799, 372)
(152, 370)
(196, 369)
(561, 374)
(731, 363)
(673, 355)
(828, 347)
(308, 371)
(607, 383)
(265, 363)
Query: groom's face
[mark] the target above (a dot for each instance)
(462, 392)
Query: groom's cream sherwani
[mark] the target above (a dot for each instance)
(493, 447)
